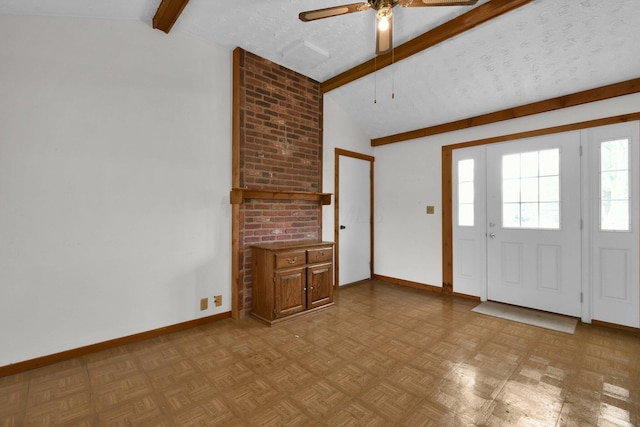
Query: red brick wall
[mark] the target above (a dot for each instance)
(280, 149)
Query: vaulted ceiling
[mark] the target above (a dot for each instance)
(540, 50)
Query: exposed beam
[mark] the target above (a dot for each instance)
(168, 13)
(622, 118)
(592, 95)
(456, 26)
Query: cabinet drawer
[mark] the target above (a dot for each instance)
(319, 255)
(289, 259)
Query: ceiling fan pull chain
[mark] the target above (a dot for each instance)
(393, 74)
(375, 80)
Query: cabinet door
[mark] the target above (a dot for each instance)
(289, 292)
(319, 285)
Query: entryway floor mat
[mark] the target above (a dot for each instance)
(528, 316)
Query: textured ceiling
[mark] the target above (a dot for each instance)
(271, 28)
(122, 9)
(544, 49)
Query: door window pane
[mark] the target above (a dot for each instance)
(549, 162)
(529, 164)
(550, 189)
(466, 193)
(529, 215)
(511, 166)
(511, 215)
(550, 215)
(511, 191)
(614, 185)
(531, 190)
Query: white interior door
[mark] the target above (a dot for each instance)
(354, 212)
(533, 223)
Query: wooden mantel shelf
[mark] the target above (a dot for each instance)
(238, 195)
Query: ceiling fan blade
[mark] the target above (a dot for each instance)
(384, 37)
(328, 12)
(425, 3)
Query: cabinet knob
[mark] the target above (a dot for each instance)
(292, 260)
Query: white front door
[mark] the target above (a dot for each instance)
(533, 223)
(354, 211)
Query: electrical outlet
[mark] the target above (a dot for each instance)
(204, 304)
(218, 300)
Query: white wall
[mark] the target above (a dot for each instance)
(115, 158)
(339, 132)
(408, 242)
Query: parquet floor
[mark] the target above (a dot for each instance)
(384, 356)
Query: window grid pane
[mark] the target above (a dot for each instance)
(550, 162)
(531, 190)
(465, 215)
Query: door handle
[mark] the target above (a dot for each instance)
(342, 227)
(492, 235)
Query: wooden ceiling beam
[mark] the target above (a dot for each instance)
(168, 13)
(456, 26)
(627, 87)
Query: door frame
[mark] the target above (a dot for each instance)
(447, 180)
(336, 208)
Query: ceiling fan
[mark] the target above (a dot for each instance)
(384, 22)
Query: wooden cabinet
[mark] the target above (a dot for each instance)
(291, 279)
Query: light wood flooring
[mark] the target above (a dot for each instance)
(385, 355)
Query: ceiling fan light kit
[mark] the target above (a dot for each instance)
(384, 15)
(384, 30)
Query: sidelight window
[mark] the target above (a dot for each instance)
(466, 192)
(614, 185)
